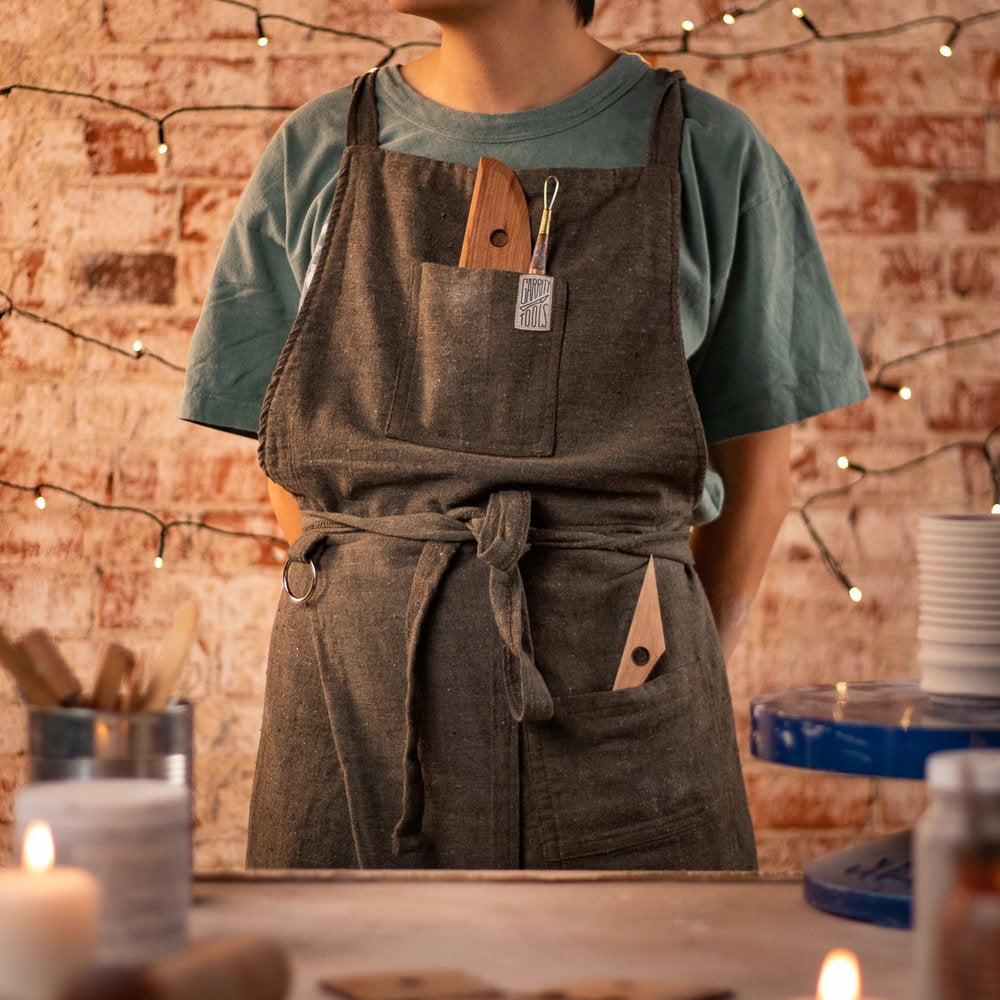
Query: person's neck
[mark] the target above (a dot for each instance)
(502, 64)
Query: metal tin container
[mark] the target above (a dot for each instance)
(83, 743)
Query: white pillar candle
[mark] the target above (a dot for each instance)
(134, 836)
(48, 922)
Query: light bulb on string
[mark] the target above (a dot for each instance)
(137, 348)
(801, 15)
(905, 392)
(995, 509)
(158, 561)
(161, 137)
(948, 49)
(843, 462)
(687, 25)
(262, 38)
(39, 500)
(855, 595)
(729, 17)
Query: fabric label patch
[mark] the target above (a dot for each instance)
(534, 302)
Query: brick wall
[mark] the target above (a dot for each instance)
(898, 152)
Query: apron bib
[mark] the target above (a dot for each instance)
(479, 506)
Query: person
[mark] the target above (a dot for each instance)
(472, 507)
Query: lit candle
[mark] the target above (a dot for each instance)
(49, 921)
(839, 977)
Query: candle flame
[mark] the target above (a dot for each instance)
(840, 976)
(39, 851)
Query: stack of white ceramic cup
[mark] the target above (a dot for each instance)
(959, 631)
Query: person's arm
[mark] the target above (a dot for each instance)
(730, 553)
(286, 510)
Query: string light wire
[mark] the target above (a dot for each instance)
(7, 308)
(682, 46)
(158, 120)
(983, 447)
(165, 527)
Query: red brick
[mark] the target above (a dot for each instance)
(964, 405)
(60, 600)
(161, 83)
(295, 79)
(207, 212)
(784, 799)
(929, 141)
(120, 147)
(196, 265)
(975, 273)
(34, 350)
(881, 77)
(199, 148)
(174, 20)
(789, 851)
(911, 273)
(22, 219)
(875, 207)
(26, 277)
(981, 85)
(964, 206)
(898, 803)
(794, 76)
(109, 278)
(117, 217)
(859, 417)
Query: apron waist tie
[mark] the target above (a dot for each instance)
(503, 533)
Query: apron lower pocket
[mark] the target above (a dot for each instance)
(623, 775)
(469, 380)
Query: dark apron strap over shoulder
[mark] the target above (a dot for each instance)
(667, 125)
(362, 116)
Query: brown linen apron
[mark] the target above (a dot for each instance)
(454, 473)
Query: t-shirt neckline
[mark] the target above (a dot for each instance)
(516, 126)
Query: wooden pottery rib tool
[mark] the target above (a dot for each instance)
(116, 666)
(167, 668)
(498, 230)
(38, 646)
(34, 687)
(645, 643)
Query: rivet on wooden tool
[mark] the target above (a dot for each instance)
(499, 237)
(640, 656)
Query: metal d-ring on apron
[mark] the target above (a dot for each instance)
(310, 590)
(502, 534)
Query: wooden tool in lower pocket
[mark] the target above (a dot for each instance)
(498, 230)
(645, 643)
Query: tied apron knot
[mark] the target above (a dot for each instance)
(501, 539)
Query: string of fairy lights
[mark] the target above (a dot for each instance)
(663, 45)
(682, 45)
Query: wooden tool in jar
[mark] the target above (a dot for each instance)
(46, 680)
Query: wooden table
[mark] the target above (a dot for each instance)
(519, 930)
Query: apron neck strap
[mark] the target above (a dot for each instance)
(667, 125)
(362, 117)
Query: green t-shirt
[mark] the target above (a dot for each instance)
(766, 341)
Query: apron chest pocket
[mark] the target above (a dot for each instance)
(469, 380)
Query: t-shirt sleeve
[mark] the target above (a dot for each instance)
(255, 289)
(777, 349)
(250, 306)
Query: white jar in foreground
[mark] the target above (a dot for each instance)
(134, 836)
(964, 791)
